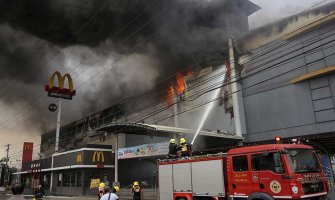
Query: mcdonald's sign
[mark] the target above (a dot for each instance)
(98, 156)
(79, 158)
(60, 91)
(27, 154)
(28, 146)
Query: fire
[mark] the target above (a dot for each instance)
(170, 95)
(180, 84)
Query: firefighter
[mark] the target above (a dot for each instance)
(115, 189)
(172, 149)
(184, 148)
(137, 190)
(101, 190)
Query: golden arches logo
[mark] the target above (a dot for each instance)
(79, 158)
(60, 91)
(28, 147)
(98, 156)
(61, 80)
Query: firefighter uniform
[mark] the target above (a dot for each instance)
(184, 148)
(101, 190)
(137, 190)
(172, 149)
(115, 189)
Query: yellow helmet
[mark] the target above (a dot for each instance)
(116, 188)
(101, 185)
(135, 183)
(182, 140)
(172, 141)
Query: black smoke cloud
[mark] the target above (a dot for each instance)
(190, 26)
(37, 34)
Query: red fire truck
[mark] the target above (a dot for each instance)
(264, 172)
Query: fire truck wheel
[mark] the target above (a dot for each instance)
(260, 196)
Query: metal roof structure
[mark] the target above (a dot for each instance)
(139, 128)
(208, 138)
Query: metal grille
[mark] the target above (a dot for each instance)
(310, 188)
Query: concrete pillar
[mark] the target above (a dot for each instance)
(237, 98)
(83, 178)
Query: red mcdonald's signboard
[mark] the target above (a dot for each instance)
(27, 154)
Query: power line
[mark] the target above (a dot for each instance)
(204, 103)
(298, 57)
(120, 56)
(102, 71)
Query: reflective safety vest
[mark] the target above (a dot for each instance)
(137, 189)
(184, 147)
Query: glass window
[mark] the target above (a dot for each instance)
(69, 179)
(60, 178)
(46, 180)
(263, 162)
(79, 179)
(303, 161)
(240, 163)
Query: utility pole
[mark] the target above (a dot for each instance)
(58, 124)
(7, 167)
(7, 150)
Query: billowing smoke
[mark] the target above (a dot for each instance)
(38, 37)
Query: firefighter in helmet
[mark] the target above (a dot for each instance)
(101, 190)
(184, 148)
(137, 191)
(172, 149)
(115, 189)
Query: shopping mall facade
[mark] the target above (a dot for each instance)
(277, 80)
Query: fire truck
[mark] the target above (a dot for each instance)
(263, 172)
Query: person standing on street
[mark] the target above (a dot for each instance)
(108, 194)
(115, 189)
(137, 190)
(101, 190)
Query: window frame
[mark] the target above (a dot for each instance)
(260, 155)
(247, 162)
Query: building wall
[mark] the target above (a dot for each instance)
(266, 34)
(153, 110)
(275, 106)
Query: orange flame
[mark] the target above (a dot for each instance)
(170, 95)
(178, 87)
(180, 84)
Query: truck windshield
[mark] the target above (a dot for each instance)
(303, 160)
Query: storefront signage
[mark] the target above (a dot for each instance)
(94, 183)
(60, 91)
(144, 150)
(98, 156)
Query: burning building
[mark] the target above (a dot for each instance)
(197, 41)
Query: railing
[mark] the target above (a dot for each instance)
(192, 158)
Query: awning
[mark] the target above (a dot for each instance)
(205, 139)
(159, 130)
(68, 167)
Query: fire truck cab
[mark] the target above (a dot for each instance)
(264, 172)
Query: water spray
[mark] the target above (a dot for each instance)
(206, 114)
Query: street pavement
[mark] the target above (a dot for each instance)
(4, 196)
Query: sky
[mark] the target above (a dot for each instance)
(25, 98)
(273, 10)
